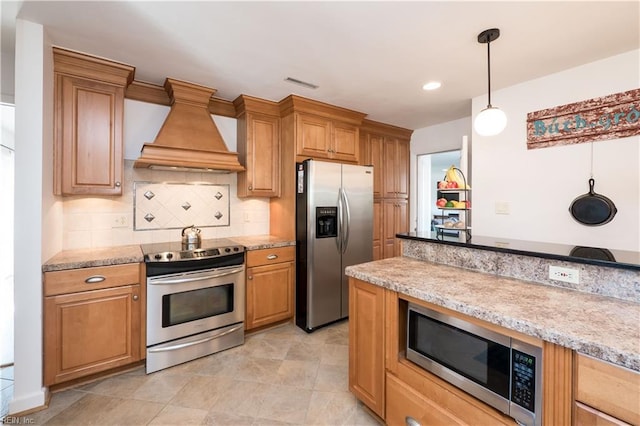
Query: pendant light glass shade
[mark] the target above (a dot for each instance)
(490, 121)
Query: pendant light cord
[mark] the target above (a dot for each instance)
(489, 71)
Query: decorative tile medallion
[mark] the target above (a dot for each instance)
(176, 205)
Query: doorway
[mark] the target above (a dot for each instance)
(431, 168)
(7, 145)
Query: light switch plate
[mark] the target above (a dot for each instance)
(503, 207)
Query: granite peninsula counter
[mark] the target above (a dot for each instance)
(508, 289)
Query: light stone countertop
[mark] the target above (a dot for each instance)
(257, 242)
(600, 326)
(89, 257)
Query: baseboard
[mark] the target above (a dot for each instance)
(30, 403)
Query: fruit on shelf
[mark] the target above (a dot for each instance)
(442, 184)
(467, 204)
(449, 204)
(459, 225)
(441, 202)
(455, 175)
(452, 185)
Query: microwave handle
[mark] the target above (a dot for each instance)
(410, 421)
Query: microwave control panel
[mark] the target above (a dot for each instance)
(523, 379)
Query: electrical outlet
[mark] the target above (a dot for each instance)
(120, 221)
(566, 275)
(247, 217)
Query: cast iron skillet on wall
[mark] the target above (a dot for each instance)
(593, 209)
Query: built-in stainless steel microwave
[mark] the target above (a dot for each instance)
(501, 371)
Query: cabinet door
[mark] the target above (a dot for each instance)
(395, 219)
(89, 332)
(344, 146)
(366, 344)
(88, 133)
(313, 136)
(262, 157)
(269, 294)
(377, 230)
(396, 171)
(375, 157)
(402, 169)
(401, 224)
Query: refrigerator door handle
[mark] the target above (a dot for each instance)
(340, 222)
(347, 221)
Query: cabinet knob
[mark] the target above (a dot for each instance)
(250, 188)
(250, 277)
(135, 297)
(118, 184)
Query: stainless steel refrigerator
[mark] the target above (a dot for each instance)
(334, 229)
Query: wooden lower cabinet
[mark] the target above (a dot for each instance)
(366, 344)
(270, 286)
(395, 220)
(605, 394)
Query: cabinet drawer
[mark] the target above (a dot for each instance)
(608, 388)
(85, 279)
(272, 255)
(587, 416)
(404, 404)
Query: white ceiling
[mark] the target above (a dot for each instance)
(372, 57)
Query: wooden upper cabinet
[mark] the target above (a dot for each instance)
(323, 131)
(345, 143)
(396, 177)
(374, 156)
(386, 148)
(88, 123)
(314, 136)
(258, 147)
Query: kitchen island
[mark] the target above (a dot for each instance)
(594, 321)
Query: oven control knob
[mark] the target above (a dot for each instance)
(227, 250)
(169, 255)
(158, 256)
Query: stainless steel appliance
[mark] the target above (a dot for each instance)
(501, 371)
(334, 227)
(195, 301)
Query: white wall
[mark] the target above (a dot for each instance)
(94, 221)
(30, 99)
(7, 79)
(429, 140)
(539, 185)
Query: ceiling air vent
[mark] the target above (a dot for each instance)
(301, 83)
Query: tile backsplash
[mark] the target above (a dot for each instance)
(177, 205)
(109, 221)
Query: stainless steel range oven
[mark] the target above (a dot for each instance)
(195, 301)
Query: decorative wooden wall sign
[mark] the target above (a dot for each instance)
(608, 117)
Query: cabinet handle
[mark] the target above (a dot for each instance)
(250, 188)
(95, 279)
(118, 184)
(272, 257)
(410, 421)
(135, 297)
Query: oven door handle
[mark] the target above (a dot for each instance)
(222, 273)
(197, 342)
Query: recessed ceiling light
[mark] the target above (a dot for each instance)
(432, 85)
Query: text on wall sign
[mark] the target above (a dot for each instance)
(609, 117)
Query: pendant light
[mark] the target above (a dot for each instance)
(491, 120)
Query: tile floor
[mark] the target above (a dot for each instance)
(282, 376)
